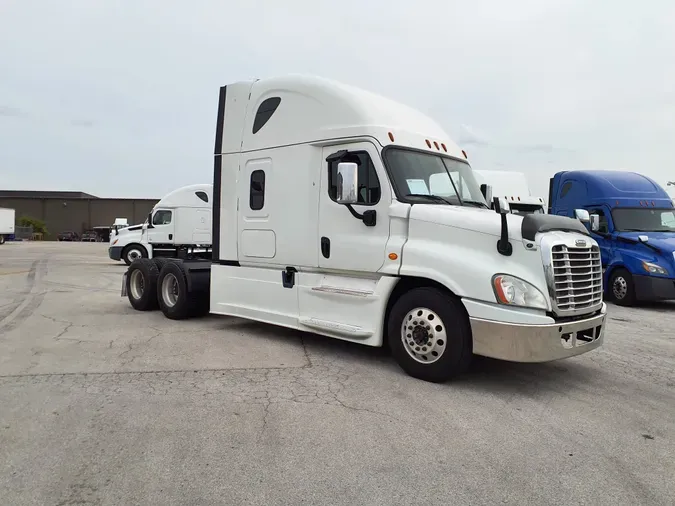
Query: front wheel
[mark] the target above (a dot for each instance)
(429, 335)
(133, 252)
(622, 288)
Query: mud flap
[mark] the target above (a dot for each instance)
(124, 285)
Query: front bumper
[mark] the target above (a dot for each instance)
(115, 252)
(538, 343)
(653, 288)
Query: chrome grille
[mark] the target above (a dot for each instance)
(577, 274)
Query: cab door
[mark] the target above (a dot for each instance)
(162, 227)
(346, 243)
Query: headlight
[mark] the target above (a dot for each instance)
(513, 291)
(654, 269)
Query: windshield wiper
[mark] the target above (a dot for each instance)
(476, 203)
(437, 198)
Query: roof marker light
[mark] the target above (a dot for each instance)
(444, 148)
(436, 144)
(464, 153)
(391, 137)
(428, 143)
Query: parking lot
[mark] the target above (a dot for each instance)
(100, 404)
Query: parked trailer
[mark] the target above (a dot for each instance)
(340, 212)
(178, 225)
(7, 221)
(513, 186)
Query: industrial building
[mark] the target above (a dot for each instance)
(74, 211)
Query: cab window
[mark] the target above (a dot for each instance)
(162, 217)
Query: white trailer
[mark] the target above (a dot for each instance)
(340, 212)
(512, 186)
(7, 220)
(178, 226)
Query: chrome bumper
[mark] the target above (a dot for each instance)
(538, 343)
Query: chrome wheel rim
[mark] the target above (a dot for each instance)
(423, 334)
(133, 255)
(620, 287)
(136, 284)
(170, 290)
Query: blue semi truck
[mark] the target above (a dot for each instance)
(633, 221)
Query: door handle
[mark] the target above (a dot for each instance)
(170, 237)
(325, 247)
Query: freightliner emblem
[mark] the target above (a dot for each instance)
(580, 243)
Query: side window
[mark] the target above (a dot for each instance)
(265, 112)
(256, 199)
(565, 188)
(369, 184)
(203, 196)
(604, 224)
(162, 217)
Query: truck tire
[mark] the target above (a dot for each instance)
(160, 262)
(142, 284)
(2, 239)
(621, 287)
(172, 292)
(429, 335)
(133, 251)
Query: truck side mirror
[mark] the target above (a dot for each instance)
(582, 215)
(643, 238)
(595, 222)
(486, 190)
(501, 205)
(150, 220)
(347, 183)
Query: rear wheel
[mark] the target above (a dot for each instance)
(175, 301)
(2, 239)
(133, 251)
(142, 284)
(622, 288)
(429, 335)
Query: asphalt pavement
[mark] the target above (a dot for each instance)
(103, 405)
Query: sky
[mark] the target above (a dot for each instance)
(119, 98)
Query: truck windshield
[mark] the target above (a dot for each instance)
(434, 178)
(644, 220)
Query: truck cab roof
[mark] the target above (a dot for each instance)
(616, 187)
(196, 195)
(297, 109)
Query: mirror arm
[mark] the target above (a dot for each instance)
(369, 218)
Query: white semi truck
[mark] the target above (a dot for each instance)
(340, 212)
(7, 220)
(179, 225)
(513, 187)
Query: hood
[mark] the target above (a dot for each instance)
(474, 219)
(665, 241)
(487, 221)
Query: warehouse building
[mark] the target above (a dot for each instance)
(74, 211)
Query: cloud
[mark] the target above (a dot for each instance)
(82, 123)
(527, 85)
(11, 112)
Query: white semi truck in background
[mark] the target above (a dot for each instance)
(340, 212)
(178, 223)
(7, 221)
(513, 187)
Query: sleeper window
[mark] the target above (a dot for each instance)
(265, 112)
(369, 184)
(257, 190)
(565, 188)
(162, 217)
(203, 196)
